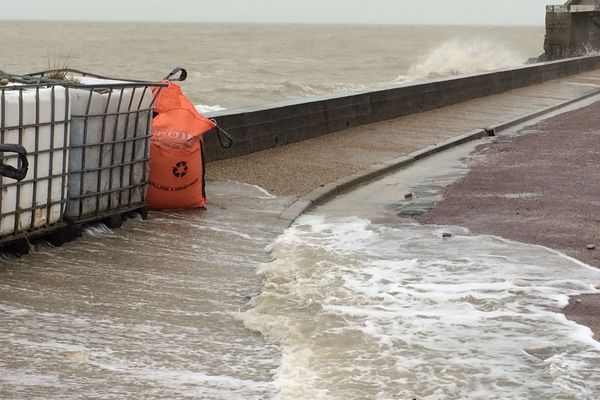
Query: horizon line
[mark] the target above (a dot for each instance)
(267, 23)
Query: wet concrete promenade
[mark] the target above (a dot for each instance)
(298, 168)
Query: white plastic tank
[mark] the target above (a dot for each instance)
(110, 138)
(38, 119)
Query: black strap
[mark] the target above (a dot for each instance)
(182, 77)
(225, 138)
(9, 171)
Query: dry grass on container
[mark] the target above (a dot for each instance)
(58, 69)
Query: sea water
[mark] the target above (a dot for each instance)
(368, 311)
(148, 311)
(247, 65)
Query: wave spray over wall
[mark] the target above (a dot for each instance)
(460, 58)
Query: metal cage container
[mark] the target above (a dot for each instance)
(34, 148)
(109, 145)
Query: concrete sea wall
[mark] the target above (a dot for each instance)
(269, 126)
(572, 30)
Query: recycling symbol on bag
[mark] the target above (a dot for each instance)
(180, 169)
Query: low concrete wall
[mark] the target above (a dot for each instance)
(269, 126)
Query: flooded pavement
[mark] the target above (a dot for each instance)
(147, 311)
(368, 304)
(370, 311)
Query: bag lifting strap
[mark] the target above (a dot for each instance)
(225, 138)
(182, 77)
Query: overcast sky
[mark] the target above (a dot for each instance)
(476, 12)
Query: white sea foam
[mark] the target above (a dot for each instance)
(365, 311)
(459, 58)
(98, 230)
(203, 108)
(315, 89)
(265, 193)
(13, 378)
(225, 231)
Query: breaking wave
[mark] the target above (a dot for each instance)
(459, 58)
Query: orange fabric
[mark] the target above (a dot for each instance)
(177, 113)
(176, 167)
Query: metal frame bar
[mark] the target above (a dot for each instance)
(110, 191)
(21, 130)
(119, 84)
(134, 139)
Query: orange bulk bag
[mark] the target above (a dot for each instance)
(176, 164)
